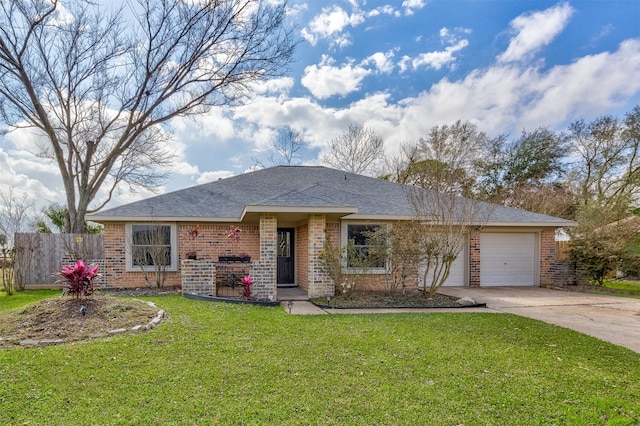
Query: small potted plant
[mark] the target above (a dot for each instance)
(234, 236)
(192, 233)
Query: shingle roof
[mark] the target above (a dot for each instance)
(293, 186)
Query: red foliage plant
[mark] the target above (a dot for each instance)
(247, 283)
(79, 279)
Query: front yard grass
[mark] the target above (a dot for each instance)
(624, 285)
(217, 363)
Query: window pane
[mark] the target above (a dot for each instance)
(359, 236)
(150, 245)
(284, 244)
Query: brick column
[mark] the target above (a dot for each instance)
(547, 257)
(474, 259)
(320, 284)
(264, 271)
(198, 277)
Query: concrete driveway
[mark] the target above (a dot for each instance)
(609, 318)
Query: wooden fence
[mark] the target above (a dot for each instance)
(562, 251)
(39, 256)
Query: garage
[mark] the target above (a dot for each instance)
(457, 276)
(508, 259)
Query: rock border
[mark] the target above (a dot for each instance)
(155, 321)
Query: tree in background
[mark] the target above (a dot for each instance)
(287, 149)
(607, 175)
(15, 215)
(54, 215)
(444, 160)
(527, 173)
(439, 170)
(98, 85)
(358, 150)
(608, 168)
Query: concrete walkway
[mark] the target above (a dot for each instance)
(609, 318)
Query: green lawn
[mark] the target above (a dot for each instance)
(214, 363)
(624, 285)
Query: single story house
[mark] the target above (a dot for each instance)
(272, 223)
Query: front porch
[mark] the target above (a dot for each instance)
(301, 249)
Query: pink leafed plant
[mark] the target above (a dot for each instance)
(79, 279)
(247, 283)
(234, 234)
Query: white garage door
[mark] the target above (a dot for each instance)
(456, 276)
(507, 259)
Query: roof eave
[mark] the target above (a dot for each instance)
(125, 218)
(562, 224)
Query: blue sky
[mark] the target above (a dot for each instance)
(399, 68)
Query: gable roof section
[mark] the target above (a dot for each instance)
(293, 189)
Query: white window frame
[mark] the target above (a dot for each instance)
(344, 241)
(173, 266)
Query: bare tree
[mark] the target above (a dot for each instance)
(439, 168)
(15, 214)
(442, 225)
(287, 146)
(98, 84)
(358, 150)
(444, 160)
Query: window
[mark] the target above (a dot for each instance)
(364, 247)
(151, 245)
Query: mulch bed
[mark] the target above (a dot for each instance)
(363, 299)
(63, 319)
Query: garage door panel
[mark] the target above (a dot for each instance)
(507, 259)
(457, 276)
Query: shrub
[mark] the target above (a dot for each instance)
(247, 284)
(79, 279)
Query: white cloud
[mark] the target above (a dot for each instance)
(440, 58)
(383, 10)
(506, 98)
(20, 175)
(326, 80)
(411, 5)
(214, 175)
(586, 86)
(533, 31)
(437, 60)
(330, 24)
(276, 86)
(382, 61)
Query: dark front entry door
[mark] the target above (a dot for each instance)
(286, 274)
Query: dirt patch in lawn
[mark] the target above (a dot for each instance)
(63, 319)
(370, 299)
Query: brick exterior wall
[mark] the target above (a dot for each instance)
(320, 284)
(260, 242)
(547, 257)
(198, 277)
(302, 256)
(210, 243)
(474, 259)
(264, 270)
